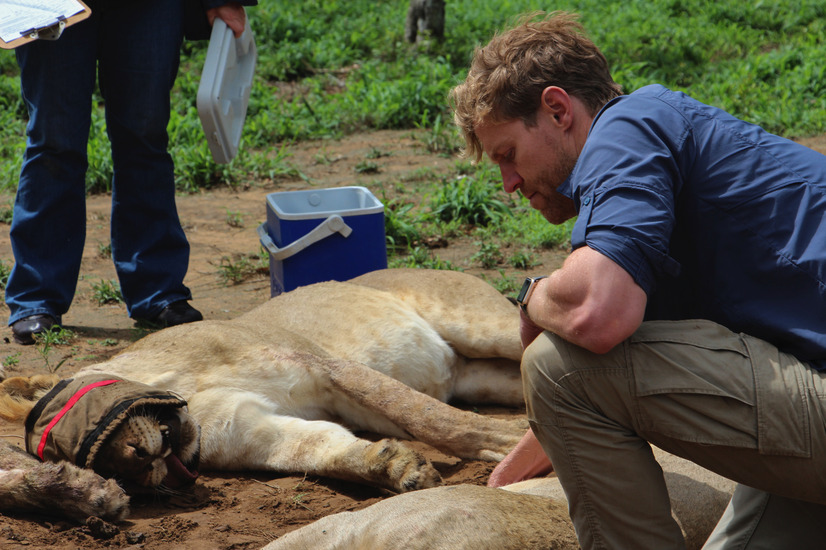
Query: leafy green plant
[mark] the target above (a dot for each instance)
(107, 292)
(523, 259)
(526, 227)
(6, 214)
(237, 270)
(376, 153)
(488, 256)
(5, 272)
(505, 284)
(400, 228)
(46, 341)
(234, 218)
(11, 360)
(421, 257)
(367, 167)
(439, 137)
(468, 200)
(104, 250)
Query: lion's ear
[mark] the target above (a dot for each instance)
(19, 394)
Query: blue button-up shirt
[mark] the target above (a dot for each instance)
(713, 217)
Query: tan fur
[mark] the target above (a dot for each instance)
(524, 516)
(28, 485)
(272, 388)
(19, 394)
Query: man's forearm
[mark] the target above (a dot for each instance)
(590, 301)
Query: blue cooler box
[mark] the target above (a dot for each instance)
(322, 235)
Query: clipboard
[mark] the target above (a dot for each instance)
(48, 32)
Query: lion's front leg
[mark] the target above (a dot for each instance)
(28, 485)
(241, 431)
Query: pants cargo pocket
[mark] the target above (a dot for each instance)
(783, 423)
(693, 381)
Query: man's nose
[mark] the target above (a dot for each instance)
(511, 179)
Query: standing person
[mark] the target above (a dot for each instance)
(133, 47)
(691, 313)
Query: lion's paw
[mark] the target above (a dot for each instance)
(402, 468)
(83, 493)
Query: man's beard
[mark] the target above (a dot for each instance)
(560, 208)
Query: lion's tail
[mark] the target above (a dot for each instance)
(19, 394)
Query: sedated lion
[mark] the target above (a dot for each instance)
(529, 515)
(273, 389)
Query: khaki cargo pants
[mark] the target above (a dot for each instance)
(729, 402)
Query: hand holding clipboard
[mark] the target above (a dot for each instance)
(22, 21)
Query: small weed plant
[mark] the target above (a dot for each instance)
(469, 201)
(235, 271)
(235, 218)
(401, 229)
(421, 257)
(507, 285)
(45, 343)
(107, 292)
(488, 256)
(11, 360)
(5, 272)
(6, 215)
(104, 250)
(523, 259)
(367, 167)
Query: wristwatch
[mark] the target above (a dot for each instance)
(525, 294)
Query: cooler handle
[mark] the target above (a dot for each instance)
(330, 226)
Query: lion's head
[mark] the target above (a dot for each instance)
(140, 435)
(152, 449)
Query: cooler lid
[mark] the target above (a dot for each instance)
(224, 90)
(321, 203)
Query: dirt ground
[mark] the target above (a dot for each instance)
(247, 510)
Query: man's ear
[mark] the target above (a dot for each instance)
(556, 103)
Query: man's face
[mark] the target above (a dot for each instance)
(534, 160)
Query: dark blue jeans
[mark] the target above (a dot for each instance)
(133, 47)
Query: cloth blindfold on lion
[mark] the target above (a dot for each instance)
(77, 416)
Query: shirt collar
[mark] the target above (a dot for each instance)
(566, 188)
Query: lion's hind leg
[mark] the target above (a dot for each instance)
(451, 430)
(241, 431)
(489, 381)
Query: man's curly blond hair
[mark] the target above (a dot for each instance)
(506, 77)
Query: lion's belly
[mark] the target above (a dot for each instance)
(412, 353)
(374, 328)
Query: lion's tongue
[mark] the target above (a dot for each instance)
(177, 475)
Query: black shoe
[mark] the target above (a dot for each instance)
(25, 329)
(176, 313)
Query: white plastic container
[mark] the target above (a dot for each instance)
(224, 90)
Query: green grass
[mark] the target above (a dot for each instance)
(333, 67)
(329, 68)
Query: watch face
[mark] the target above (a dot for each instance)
(525, 286)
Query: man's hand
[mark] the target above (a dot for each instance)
(232, 14)
(527, 460)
